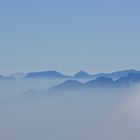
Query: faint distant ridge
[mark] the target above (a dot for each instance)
(47, 74)
(6, 78)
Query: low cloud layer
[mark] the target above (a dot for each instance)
(88, 115)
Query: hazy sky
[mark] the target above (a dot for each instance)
(93, 35)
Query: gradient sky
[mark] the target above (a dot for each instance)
(93, 35)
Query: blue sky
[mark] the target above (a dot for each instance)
(93, 35)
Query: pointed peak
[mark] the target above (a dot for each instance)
(82, 74)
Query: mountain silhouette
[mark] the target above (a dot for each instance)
(6, 78)
(129, 80)
(2, 77)
(47, 74)
(117, 74)
(113, 75)
(100, 83)
(70, 84)
(18, 75)
(82, 75)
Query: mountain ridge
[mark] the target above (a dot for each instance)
(101, 82)
(78, 76)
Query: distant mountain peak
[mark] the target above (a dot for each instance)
(100, 82)
(46, 74)
(69, 84)
(82, 74)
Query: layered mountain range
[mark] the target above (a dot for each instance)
(73, 85)
(114, 79)
(101, 82)
(79, 75)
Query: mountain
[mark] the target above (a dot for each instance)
(2, 77)
(6, 78)
(113, 75)
(117, 74)
(75, 87)
(82, 75)
(18, 75)
(100, 83)
(46, 74)
(129, 80)
(70, 84)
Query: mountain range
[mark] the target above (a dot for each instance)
(113, 75)
(47, 74)
(78, 76)
(100, 83)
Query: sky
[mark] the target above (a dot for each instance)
(68, 36)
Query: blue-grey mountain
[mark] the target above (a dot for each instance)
(47, 74)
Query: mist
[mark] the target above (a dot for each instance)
(12, 88)
(104, 114)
